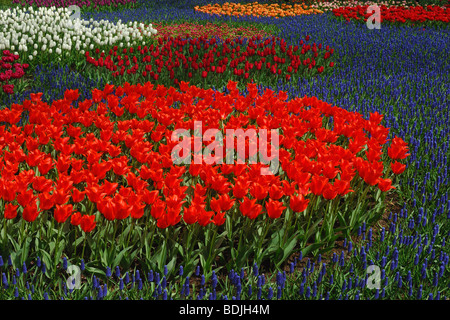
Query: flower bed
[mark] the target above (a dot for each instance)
(208, 30)
(212, 62)
(397, 14)
(51, 34)
(258, 10)
(94, 4)
(81, 165)
(271, 243)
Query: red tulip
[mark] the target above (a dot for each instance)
(219, 218)
(30, 212)
(225, 202)
(204, 217)
(137, 210)
(46, 201)
(61, 196)
(158, 209)
(317, 184)
(397, 167)
(298, 203)
(385, 184)
(107, 208)
(190, 214)
(250, 208)
(274, 208)
(8, 190)
(42, 184)
(275, 192)
(240, 189)
(77, 195)
(62, 212)
(258, 191)
(25, 197)
(288, 189)
(329, 192)
(75, 219)
(10, 211)
(398, 149)
(87, 223)
(342, 187)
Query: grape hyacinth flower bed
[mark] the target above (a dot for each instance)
(357, 209)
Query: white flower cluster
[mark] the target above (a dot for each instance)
(48, 30)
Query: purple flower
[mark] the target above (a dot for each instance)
(255, 269)
(270, 294)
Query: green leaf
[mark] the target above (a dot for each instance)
(162, 256)
(312, 247)
(15, 244)
(119, 256)
(311, 230)
(95, 271)
(274, 244)
(46, 258)
(241, 258)
(288, 249)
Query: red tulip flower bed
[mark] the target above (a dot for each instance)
(6, 71)
(105, 167)
(202, 61)
(429, 14)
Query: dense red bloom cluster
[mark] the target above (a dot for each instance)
(7, 73)
(177, 55)
(113, 154)
(396, 14)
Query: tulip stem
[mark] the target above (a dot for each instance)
(266, 229)
(114, 232)
(22, 231)
(131, 230)
(242, 232)
(84, 245)
(74, 240)
(355, 212)
(5, 237)
(309, 212)
(57, 245)
(332, 217)
(213, 240)
(153, 233)
(287, 226)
